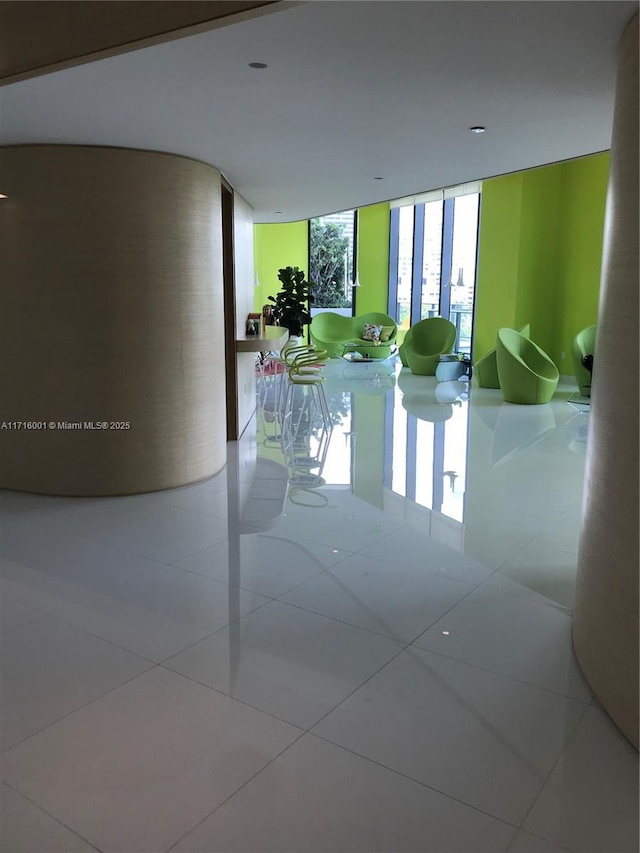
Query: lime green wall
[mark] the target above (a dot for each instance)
(582, 230)
(498, 252)
(278, 245)
(538, 257)
(539, 254)
(287, 244)
(373, 258)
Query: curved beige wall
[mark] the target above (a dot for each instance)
(606, 616)
(111, 310)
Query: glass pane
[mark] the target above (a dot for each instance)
(463, 267)
(331, 247)
(405, 264)
(432, 260)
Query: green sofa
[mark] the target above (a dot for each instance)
(527, 375)
(337, 334)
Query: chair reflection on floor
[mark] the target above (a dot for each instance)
(428, 400)
(517, 430)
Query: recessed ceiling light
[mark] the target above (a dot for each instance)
(478, 129)
(378, 179)
(258, 65)
(2, 195)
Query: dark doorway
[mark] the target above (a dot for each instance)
(228, 272)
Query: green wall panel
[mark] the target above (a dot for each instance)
(278, 245)
(538, 260)
(582, 229)
(539, 254)
(498, 255)
(373, 258)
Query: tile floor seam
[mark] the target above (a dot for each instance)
(359, 687)
(346, 589)
(417, 782)
(111, 594)
(554, 604)
(79, 708)
(226, 800)
(233, 698)
(555, 843)
(553, 767)
(159, 559)
(108, 590)
(217, 580)
(512, 842)
(216, 631)
(497, 735)
(501, 674)
(442, 616)
(52, 816)
(59, 618)
(343, 622)
(4, 632)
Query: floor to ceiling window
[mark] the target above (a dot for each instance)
(332, 241)
(432, 266)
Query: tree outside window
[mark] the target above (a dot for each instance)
(331, 240)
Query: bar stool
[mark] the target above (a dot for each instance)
(305, 371)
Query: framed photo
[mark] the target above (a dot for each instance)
(254, 324)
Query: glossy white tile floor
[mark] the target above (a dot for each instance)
(381, 662)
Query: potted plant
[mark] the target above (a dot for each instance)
(291, 305)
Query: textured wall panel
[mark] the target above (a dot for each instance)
(111, 310)
(244, 280)
(606, 615)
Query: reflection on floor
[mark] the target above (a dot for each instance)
(352, 639)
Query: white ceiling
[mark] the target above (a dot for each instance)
(354, 89)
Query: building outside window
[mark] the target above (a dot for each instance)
(432, 266)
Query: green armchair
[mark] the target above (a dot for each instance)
(486, 369)
(425, 342)
(582, 350)
(337, 334)
(527, 375)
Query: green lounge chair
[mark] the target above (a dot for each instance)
(486, 369)
(582, 350)
(527, 375)
(425, 342)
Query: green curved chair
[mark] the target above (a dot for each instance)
(486, 369)
(425, 342)
(583, 345)
(337, 334)
(527, 375)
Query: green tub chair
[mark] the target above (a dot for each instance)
(425, 342)
(337, 334)
(526, 373)
(486, 369)
(582, 350)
